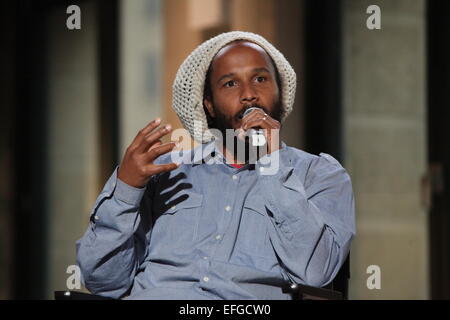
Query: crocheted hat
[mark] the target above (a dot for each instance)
(190, 81)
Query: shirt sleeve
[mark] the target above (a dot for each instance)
(312, 220)
(114, 244)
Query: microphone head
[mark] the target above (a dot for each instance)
(246, 112)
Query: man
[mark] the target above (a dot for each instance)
(224, 229)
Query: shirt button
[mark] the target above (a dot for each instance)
(205, 258)
(206, 279)
(228, 208)
(235, 177)
(96, 217)
(218, 237)
(174, 207)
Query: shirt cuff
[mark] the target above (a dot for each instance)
(128, 194)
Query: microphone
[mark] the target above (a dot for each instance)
(246, 112)
(258, 137)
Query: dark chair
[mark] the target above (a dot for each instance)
(76, 295)
(336, 290)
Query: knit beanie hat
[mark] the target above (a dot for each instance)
(189, 82)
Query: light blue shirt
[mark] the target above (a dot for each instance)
(213, 231)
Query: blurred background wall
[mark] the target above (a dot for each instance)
(384, 86)
(73, 100)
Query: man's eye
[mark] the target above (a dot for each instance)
(260, 79)
(230, 83)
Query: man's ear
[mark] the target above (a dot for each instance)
(208, 104)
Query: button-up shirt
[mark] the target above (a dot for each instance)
(208, 230)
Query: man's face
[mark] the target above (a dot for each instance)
(242, 75)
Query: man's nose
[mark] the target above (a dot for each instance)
(248, 94)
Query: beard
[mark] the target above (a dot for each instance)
(224, 123)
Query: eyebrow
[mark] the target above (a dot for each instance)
(256, 70)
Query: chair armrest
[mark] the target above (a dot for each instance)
(76, 295)
(304, 292)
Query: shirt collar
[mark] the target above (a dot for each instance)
(209, 150)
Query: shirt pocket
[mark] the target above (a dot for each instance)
(253, 236)
(176, 220)
(186, 200)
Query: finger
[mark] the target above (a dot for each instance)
(250, 116)
(158, 151)
(156, 144)
(144, 131)
(153, 137)
(259, 122)
(273, 124)
(257, 114)
(164, 167)
(273, 139)
(273, 134)
(241, 134)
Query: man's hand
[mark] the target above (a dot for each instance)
(271, 127)
(137, 165)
